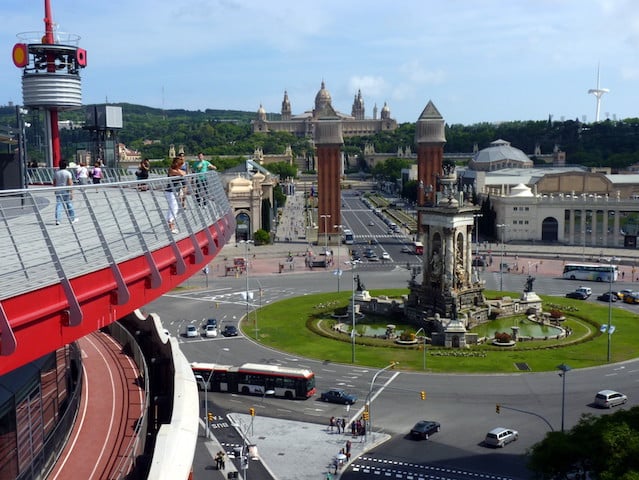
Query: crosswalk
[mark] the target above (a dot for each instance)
(399, 470)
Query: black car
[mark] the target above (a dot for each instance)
(424, 428)
(337, 395)
(577, 295)
(230, 331)
(210, 321)
(479, 262)
(608, 297)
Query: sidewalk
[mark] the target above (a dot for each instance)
(300, 451)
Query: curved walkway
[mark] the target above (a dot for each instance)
(112, 400)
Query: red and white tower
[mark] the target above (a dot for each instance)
(51, 65)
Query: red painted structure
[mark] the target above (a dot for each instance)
(40, 319)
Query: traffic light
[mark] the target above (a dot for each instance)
(365, 416)
(497, 408)
(252, 411)
(210, 416)
(423, 395)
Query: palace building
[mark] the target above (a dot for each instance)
(303, 125)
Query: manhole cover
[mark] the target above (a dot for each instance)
(522, 366)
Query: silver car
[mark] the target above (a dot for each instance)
(500, 436)
(609, 399)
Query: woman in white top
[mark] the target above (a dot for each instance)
(82, 174)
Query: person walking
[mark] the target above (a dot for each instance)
(62, 180)
(173, 191)
(82, 173)
(201, 166)
(96, 173)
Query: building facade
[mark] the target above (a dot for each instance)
(303, 125)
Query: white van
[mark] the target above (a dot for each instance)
(500, 436)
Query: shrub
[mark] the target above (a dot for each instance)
(502, 337)
(554, 313)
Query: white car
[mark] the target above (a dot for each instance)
(210, 331)
(371, 224)
(406, 249)
(385, 256)
(191, 331)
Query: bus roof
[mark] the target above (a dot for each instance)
(590, 265)
(273, 369)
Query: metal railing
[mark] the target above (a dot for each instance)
(117, 221)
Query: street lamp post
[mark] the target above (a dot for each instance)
(610, 328)
(339, 265)
(353, 313)
(424, 347)
(563, 370)
(325, 217)
(370, 392)
(501, 262)
(247, 295)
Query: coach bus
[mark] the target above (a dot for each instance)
(418, 248)
(253, 378)
(348, 237)
(595, 273)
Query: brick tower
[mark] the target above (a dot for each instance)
(328, 141)
(430, 138)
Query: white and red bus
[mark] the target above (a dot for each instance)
(418, 248)
(254, 378)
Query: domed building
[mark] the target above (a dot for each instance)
(499, 155)
(303, 124)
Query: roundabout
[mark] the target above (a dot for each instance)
(308, 325)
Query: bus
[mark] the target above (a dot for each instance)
(253, 378)
(418, 248)
(596, 273)
(348, 237)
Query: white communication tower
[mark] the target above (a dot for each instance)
(598, 92)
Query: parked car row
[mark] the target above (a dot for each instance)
(210, 330)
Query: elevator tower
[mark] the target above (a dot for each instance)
(51, 64)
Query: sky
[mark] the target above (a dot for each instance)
(477, 60)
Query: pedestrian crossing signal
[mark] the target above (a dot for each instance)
(365, 416)
(252, 411)
(423, 395)
(497, 408)
(210, 416)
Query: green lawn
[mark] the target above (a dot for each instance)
(290, 325)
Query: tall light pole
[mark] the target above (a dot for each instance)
(370, 392)
(206, 383)
(338, 272)
(563, 370)
(424, 347)
(247, 295)
(353, 263)
(325, 217)
(503, 227)
(609, 329)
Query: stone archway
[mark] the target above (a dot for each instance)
(242, 227)
(549, 230)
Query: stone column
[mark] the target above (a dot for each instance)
(328, 139)
(571, 231)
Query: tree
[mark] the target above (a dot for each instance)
(607, 447)
(261, 237)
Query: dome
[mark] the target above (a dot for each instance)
(322, 98)
(501, 154)
(240, 184)
(521, 190)
(261, 113)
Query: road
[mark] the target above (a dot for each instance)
(463, 404)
